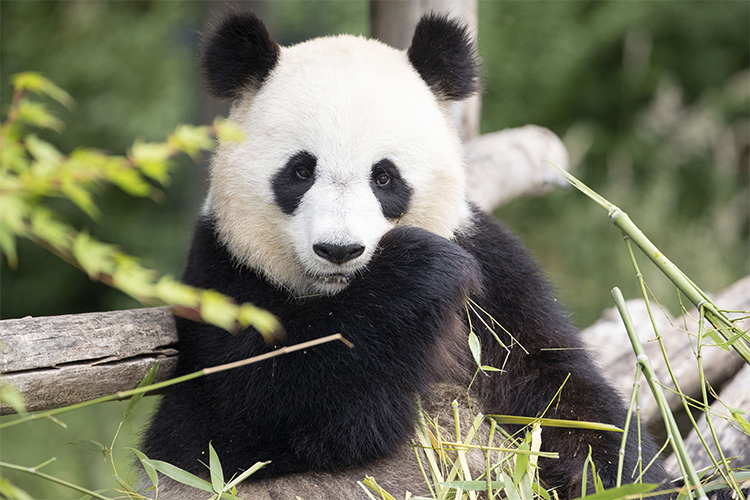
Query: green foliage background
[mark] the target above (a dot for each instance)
(651, 98)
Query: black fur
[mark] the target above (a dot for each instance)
(329, 406)
(443, 54)
(238, 54)
(292, 182)
(391, 190)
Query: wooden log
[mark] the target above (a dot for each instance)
(514, 163)
(62, 360)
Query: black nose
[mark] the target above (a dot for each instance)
(338, 254)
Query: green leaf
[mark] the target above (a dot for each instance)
(43, 151)
(737, 415)
(93, 256)
(136, 398)
(227, 131)
(191, 139)
(10, 394)
(37, 115)
(214, 465)
(81, 197)
(174, 293)
(129, 180)
(554, 422)
(488, 368)
(624, 490)
(218, 310)
(88, 444)
(150, 470)
(8, 490)
(34, 82)
(50, 230)
(13, 157)
(476, 348)
(471, 485)
(132, 278)
(179, 475)
(522, 463)
(266, 323)
(153, 159)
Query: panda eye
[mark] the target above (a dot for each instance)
(303, 173)
(381, 178)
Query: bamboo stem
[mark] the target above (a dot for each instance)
(673, 432)
(33, 471)
(724, 326)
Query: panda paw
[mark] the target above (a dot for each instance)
(413, 259)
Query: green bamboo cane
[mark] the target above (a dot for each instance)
(35, 472)
(728, 478)
(673, 432)
(724, 326)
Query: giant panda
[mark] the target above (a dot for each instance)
(344, 210)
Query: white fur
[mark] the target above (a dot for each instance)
(350, 102)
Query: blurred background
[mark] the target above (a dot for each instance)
(652, 100)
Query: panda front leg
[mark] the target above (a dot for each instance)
(333, 406)
(547, 369)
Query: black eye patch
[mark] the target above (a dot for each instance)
(391, 190)
(293, 180)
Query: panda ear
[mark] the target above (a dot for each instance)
(443, 53)
(238, 53)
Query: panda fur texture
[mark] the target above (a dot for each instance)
(345, 210)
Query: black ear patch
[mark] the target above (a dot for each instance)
(238, 53)
(443, 53)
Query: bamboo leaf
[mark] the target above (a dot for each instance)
(43, 151)
(476, 348)
(263, 321)
(34, 82)
(471, 485)
(93, 256)
(135, 399)
(218, 310)
(153, 159)
(191, 139)
(227, 131)
(737, 415)
(179, 475)
(88, 444)
(173, 292)
(11, 395)
(36, 114)
(150, 470)
(553, 422)
(214, 466)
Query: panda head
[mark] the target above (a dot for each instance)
(345, 138)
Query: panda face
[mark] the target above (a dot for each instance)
(343, 141)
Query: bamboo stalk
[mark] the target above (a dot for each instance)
(734, 336)
(673, 432)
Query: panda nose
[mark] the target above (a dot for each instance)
(338, 254)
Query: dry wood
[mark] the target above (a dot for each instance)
(61, 360)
